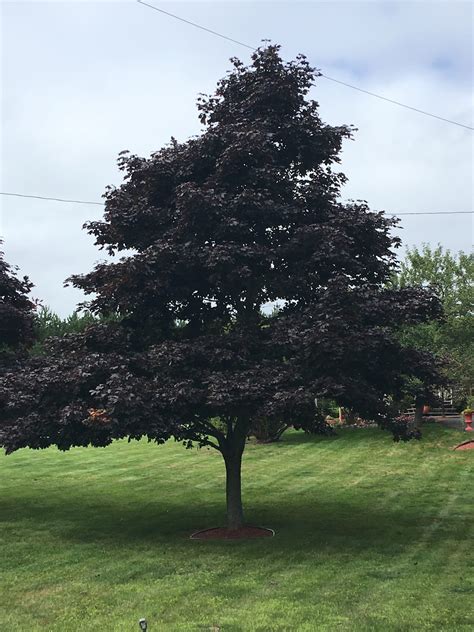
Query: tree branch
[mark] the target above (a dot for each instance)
(210, 444)
(210, 429)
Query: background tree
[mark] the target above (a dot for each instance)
(451, 276)
(16, 313)
(48, 324)
(246, 214)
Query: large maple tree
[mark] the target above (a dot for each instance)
(215, 228)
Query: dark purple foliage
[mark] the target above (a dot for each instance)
(16, 313)
(244, 214)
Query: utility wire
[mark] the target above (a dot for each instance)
(433, 213)
(403, 105)
(198, 26)
(55, 199)
(343, 83)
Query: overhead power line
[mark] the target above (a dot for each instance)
(198, 26)
(433, 213)
(343, 83)
(403, 105)
(55, 199)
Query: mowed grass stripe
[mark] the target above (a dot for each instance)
(96, 538)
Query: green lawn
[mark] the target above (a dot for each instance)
(370, 535)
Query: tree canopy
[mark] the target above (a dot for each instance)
(16, 312)
(220, 226)
(451, 277)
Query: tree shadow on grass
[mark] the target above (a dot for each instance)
(332, 524)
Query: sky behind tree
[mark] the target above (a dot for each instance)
(82, 81)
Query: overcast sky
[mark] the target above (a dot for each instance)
(82, 81)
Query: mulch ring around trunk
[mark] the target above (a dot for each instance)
(223, 533)
(465, 445)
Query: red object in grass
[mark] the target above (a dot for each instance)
(468, 421)
(222, 533)
(466, 445)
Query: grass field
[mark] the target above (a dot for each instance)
(370, 535)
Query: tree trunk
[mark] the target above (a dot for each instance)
(418, 420)
(235, 514)
(232, 447)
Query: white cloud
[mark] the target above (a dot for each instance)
(82, 81)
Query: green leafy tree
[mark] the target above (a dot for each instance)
(451, 277)
(48, 323)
